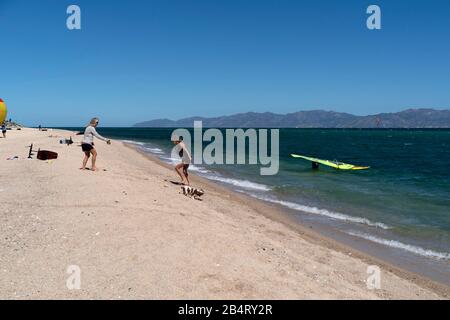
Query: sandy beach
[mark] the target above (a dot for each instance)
(134, 236)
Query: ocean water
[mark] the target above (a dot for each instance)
(401, 203)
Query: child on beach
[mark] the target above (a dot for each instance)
(87, 144)
(4, 129)
(183, 152)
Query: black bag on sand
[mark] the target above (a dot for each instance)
(47, 155)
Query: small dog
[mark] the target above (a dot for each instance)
(193, 192)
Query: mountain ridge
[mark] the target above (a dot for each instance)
(409, 118)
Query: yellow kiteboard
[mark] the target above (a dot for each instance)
(2, 111)
(333, 164)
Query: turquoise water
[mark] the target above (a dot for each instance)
(402, 202)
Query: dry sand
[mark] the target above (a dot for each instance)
(133, 235)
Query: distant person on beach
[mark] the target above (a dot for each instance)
(40, 127)
(4, 129)
(87, 144)
(183, 152)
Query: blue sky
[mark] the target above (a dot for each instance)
(141, 60)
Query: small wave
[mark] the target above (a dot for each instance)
(240, 183)
(198, 169)
(406, 247)
(138, 143)
(154, 150)
(326, 213)
(170, 160)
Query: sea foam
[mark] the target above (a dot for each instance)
(154, 150)
(240, 183)
(138, 143)
(403, 246)
(324, 212)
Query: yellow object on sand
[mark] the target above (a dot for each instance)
(2, 111)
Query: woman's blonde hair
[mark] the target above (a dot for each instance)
(93, 121)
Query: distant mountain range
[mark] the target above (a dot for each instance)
(411, 118)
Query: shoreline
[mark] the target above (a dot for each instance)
(135, 236)
(280, 214)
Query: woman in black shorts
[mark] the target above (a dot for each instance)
(87, 144)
